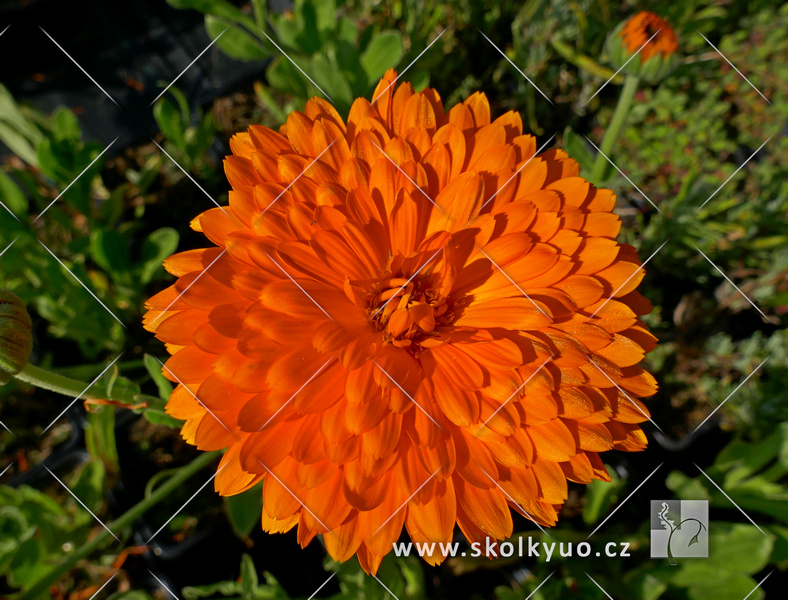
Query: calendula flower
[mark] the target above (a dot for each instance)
(408, 319)
(653, 37)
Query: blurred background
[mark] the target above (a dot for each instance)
(114, 120)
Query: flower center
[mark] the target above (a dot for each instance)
(407, 312)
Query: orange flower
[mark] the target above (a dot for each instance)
(641, 27)
(409, 319)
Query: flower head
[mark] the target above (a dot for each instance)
(649, 36)
(408, 319)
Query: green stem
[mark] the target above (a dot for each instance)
(266, 98)
(126, 519)
(616, 123)
(73, 387)
(584, 62)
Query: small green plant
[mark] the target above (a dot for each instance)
(314, 50)
(188, 134)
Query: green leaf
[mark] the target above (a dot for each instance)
(159, 245)
(18, 132)
(577, 149)
(159, 417)
(100, 438)
(169, 121)
(419, 78)
(235, 42)
(260, 13)
(248, 577)
(243, 510)
(225, 588)
(283, 76)
(218, 8)
(326, 17)
(153, 367)
(600, 497)
(88, 484)
(109, 249)
(725, 587)
(309, 39)
(383, 52)
(326, 74)
(65, 126)
(648, 582)
(12, 196)
(733, 548)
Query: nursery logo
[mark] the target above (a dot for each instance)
(679, 529)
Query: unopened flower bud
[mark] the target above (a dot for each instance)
(655, 39)
(16, 336)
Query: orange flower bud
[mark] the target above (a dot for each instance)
(655, 40)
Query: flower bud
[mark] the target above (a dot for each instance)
(658, 57)
(16, 336)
